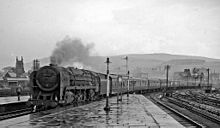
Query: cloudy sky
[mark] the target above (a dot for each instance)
(32, 28)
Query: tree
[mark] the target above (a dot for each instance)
(195, 73)
(198, 74)
(1, 73)
(9, 69)
(201, 76)
(187, 73)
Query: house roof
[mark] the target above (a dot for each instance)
(10, 74)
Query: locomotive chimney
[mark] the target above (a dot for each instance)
(53, 61)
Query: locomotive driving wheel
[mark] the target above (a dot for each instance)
(84, 95)
(69, 97)
(91, 95)
(79, 97)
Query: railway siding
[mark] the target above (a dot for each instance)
(184, 106)
(183, 119)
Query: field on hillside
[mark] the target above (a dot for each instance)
(152, 65)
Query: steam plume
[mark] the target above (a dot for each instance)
(71, 49)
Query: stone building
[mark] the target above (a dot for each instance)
(19, 67)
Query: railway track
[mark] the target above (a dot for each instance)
(13, 114)
(201, 103)
(212, 101)
(182, 119)
(26, 111)
(202, 98)
(195, 109)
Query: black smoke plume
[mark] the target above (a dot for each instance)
(71, 49)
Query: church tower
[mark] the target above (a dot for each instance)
(19, 68)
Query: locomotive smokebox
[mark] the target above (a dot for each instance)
(47, 78)
(53, 61)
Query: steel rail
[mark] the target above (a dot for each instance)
(194, 123)
(196, 110)
(16, 113)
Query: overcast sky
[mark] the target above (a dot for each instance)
(32, 28)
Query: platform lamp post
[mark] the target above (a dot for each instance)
(119, 88)
(127, 74)
(107, 107)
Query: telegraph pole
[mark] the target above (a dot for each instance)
(167, 76)
(187, 81)
(208, 76)
(107, 107)
(128, 84)
(208, 79)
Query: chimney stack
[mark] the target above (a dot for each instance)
(36, 64)
(53, 61)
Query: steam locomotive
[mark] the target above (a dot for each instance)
(54, 85)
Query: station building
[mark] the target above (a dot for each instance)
(10, 80)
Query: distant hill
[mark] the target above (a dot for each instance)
(152, 64)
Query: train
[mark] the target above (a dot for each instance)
(54, 85)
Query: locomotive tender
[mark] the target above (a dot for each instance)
(52, 85)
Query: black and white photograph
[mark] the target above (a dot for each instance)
(109, 63)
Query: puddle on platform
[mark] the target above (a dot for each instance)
(92, 115)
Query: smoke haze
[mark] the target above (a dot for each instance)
(71, 49)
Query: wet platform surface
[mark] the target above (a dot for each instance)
(135, 112)
(12, 99)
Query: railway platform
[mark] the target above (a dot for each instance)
(12, 99)
(8, 104)
(133, 112)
